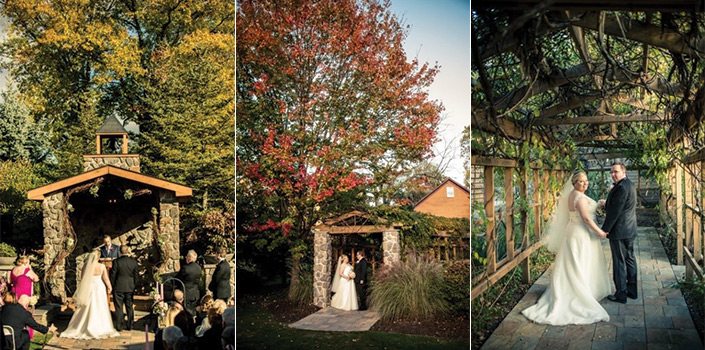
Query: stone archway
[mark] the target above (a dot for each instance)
(355, 222)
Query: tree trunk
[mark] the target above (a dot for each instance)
(294, 275)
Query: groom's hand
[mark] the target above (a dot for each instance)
(601, 202)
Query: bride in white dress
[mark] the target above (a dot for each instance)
(579, 279)
(92, 319)
(345, 297)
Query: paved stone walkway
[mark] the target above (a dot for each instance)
(659, 319)
(334, 320)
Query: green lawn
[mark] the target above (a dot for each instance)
(39, 340)
(257, 329)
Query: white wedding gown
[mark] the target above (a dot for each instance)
(579, 279)
(92, 321)
(345, 297)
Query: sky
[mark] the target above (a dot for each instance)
(439, 31)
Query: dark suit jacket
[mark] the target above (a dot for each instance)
(190, 274)
(15, 316)
(220, 283)
(361, 271)
(123, 274)
(620, 208)
(114, 251)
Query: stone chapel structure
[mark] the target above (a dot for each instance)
(111, 197)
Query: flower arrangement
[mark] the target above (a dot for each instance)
(159, 307)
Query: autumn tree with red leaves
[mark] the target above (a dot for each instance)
(327, 105)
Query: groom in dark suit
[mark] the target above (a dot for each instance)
(123, 277)
(361, 279)
(620, 225)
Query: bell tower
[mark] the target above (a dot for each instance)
(111, 147)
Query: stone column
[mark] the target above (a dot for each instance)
(169, 230)
(54, 242)
(390, 247)
(322, 253)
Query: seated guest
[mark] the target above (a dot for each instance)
(15, 316)
(168, 321)
(179, 296)
(227, 338)
(202, 308)
(171, 336)
(8, 298)
(211, 336)
(184, 320)
(218, 307)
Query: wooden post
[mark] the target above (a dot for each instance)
(124, 144)
(679, 214)
(509, 211)
(446, 247)
(524, 192)
(698, 225)
(537, 207)
(689, 214)
(97, 144)
(489, 212)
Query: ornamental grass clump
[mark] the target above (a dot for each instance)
(412, 288)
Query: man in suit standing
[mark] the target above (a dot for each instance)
(108, 249)
(220, 282)
(361, 279)
(190, 275)
(620, 225)
(123, 277)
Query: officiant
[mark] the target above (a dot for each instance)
(109, 250)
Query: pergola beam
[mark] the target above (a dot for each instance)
(600, 119)
(605, 5)
(590, 138)
(602, 156)
(502, 126)
(571, 103)
(644, 33)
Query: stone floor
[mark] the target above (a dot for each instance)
(132, 340)
(335, 320)
(658, 319)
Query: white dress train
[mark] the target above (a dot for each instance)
(579, 278)
(94, 320)
(345, 297)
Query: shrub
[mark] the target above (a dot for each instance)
(7, 250)
(413, 288)
(457, 286)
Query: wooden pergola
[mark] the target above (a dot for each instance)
(584, 72)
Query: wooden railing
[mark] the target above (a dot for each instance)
(447, 248)
(686, 182)
(541, 204)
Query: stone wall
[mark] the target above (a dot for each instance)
(322, 253)
(169, 230)
(53, 242)
(125, 161)
(390, 247)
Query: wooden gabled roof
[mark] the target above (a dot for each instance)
(439, 186)
(38, 194)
